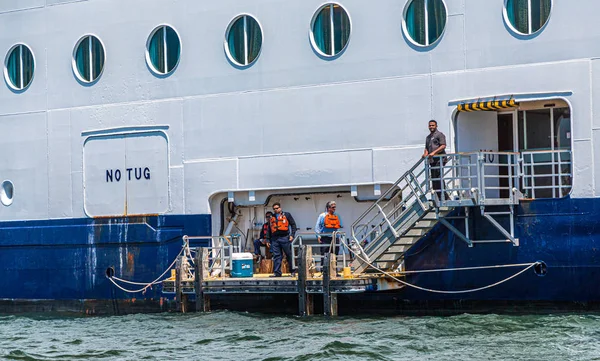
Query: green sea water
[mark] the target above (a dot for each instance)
(240, 336)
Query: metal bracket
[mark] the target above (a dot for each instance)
(510, 236)
(458, 233)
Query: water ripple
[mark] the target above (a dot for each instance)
(242, 336)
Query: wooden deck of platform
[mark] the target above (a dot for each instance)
(306, 283)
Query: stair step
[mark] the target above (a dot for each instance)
(406, 240)
(385, 265)
(427, 221)
(430, 216)
(398, 249)
(388, 257)
(416, 232)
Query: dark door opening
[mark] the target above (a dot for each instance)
(505, 144)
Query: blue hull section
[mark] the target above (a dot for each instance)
(563, 233)
(68, 259)
(65, 261)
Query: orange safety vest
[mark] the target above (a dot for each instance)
(279, 223)
(265, 231)
(332, 221)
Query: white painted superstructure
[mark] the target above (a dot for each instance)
(292, 122)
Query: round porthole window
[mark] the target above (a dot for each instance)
(163, 50)
(527, 17)
(88, 59)
(243, 40)
(19, 67)
(425, 21)
(7, 191)
(330, 30)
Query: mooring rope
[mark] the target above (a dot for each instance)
(528, 266)
(146, 285)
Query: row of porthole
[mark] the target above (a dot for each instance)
(423, 23)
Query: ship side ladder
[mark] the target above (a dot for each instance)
(410, 208)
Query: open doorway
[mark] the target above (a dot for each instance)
(540, 132)
(506, 143)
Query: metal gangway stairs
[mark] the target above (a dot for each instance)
(411, 207)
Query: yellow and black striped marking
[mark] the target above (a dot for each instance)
(491, 105)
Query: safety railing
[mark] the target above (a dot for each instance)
(477, 178)
(338, 242)
(220, 253)
(547, 174)
(408, 190)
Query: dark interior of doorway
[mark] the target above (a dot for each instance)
(505, 144)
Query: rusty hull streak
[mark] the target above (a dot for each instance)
(130, 262)
(127, 216)
(388, 284)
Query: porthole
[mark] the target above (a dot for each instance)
(425, 21)
(19, 67)
(330, 30)
(163, 50)
(88, 59)
(243, 40)
(527, 17)
(7, 192)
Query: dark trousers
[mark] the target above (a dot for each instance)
(257, 244)
(436, 184)
(279, 245)
(327, 240)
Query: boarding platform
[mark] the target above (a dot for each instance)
(204, 279)
(438, 192)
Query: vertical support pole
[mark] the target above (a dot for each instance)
(511, 195)
(467, 226)
(178, 288)
(184, 296)
(330, 305)
(481, 177)
(427, 176)
(222, 259)
(201, 262)
(305, 301)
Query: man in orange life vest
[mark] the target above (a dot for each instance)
(327, 223)
(262, 239)
(281, 234)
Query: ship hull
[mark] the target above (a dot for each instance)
(61, 265)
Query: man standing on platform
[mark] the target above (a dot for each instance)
(435, 144)
(281, 234)
(327, 223)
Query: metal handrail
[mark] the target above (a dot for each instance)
(557, 175)
(459, 172)
(220, 260)
(359, 220)
(335, 242)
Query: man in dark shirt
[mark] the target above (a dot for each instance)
(262, 240)
(281, 234)
(435, 144)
